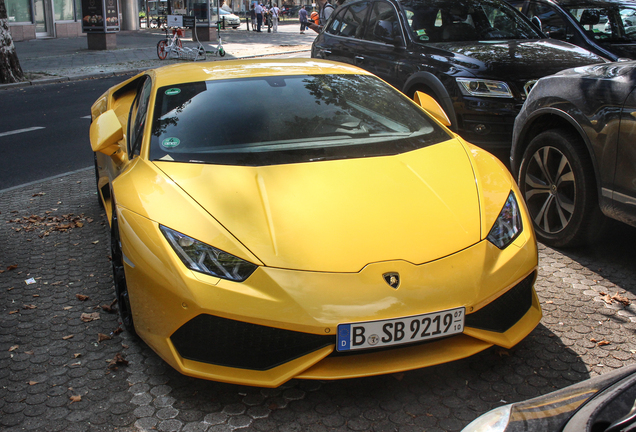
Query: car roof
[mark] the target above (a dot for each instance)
(236, 69)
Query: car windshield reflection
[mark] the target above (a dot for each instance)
(465, 20)
(290, 119)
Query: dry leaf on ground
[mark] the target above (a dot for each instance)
(102, 337)
(88, 317)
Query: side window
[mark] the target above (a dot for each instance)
(137, 120)
(353, 21)
(552, 23)
(334, 25)
(384, 25)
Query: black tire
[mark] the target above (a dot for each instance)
(557, 181)
(99, 195)
(119, 277)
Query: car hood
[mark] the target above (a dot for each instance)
(338, 216)
(517, 60)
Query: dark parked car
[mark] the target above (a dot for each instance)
(477, 58)
(605, 27)
(605, 403)
(574, 152)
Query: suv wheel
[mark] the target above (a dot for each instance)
(557, 182)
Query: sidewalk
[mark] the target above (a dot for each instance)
(47, 60)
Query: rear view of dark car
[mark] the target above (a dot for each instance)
(477, 58)
(605, 27)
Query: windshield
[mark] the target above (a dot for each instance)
(286, 119)
(466, 20)
(607, 23)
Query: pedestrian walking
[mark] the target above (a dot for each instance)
(259, 17)
(325, 10)
(253, 17)
(275, 12)
(302, 17)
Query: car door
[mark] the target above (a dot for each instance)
(343, 35)
(384, 43)
(624, 193)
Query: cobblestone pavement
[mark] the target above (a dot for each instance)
(56, 374)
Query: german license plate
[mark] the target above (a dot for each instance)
(378, 334)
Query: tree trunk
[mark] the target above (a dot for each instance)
(10, 70)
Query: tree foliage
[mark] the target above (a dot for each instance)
(10, 70)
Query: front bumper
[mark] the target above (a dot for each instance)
(281, 324)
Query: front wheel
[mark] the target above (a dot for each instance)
(162, 49)
(221, 52)
(119, 276)
(557, 181)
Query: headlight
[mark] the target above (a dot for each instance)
(206, 259)
(477, 87)
(508, 224)
(493, 421)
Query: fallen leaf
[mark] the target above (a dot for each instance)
(549, 302)
(14, 347)
(88, 317)
(33, 382)
(109, 308)
(619, 298)
(75, 398)
(102, 337)
(96, 241)
(12, 267)
(593, 340)
(117, 360)
(68, 337)
(603, 343)
(76, 355)
(118, 330)
(29, 306)
(81, 297)
(29, 352)
(14, 312)
(398, 376)
(607, 299)
(502, 352)
(36, 295)
(68, 307)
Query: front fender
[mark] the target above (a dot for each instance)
(440, 93)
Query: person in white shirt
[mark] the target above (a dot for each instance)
(259, 16)
(275, 12)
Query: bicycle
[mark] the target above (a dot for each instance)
(173, 47)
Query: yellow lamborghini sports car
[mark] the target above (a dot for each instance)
(301, 218)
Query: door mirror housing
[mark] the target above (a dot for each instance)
(105, 133)
(431, 106)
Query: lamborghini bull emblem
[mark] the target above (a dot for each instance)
(393, 279)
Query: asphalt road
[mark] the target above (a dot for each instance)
(44, 129)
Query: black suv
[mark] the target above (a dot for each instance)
(605, 27)
(477, 58)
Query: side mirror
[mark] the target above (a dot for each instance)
(105, 133)
(432, 107)
(536, 21)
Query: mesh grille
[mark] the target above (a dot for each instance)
(505, 311)
(225, 342)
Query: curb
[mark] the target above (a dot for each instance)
(101, 75)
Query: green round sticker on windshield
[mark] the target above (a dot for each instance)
(170, 143)
(173, 91)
